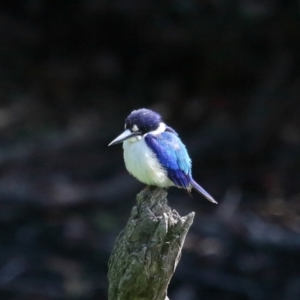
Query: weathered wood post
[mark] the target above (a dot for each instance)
(148, 249)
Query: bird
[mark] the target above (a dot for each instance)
(155, 155)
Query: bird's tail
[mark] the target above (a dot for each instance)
(202, 191)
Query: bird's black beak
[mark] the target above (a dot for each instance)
(123, 136)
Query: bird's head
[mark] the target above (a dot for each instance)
(139, 123)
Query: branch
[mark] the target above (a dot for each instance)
(147, 251)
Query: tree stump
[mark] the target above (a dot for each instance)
(148, 249)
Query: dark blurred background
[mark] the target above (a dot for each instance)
(224, 74)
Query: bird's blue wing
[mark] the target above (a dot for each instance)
(173, 156)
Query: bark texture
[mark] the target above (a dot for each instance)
(148, 250)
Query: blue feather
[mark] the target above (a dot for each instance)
(202, 191)
(173, 156)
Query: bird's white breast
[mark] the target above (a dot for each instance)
(143, 164)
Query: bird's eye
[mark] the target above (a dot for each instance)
(134, 128)
(127, 125)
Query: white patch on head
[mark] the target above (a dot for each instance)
(161, 128)
(142, 163)
(135, 128)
